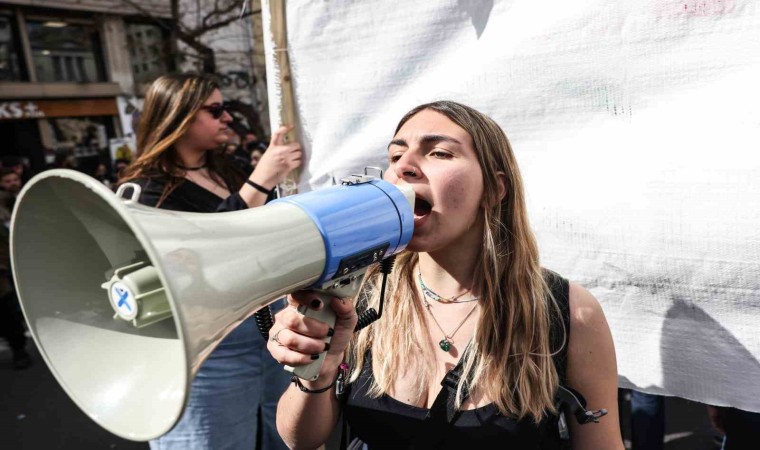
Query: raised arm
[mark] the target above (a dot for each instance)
(305, 420)
(278, 160)
(592, 370)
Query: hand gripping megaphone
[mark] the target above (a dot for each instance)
(125, 302)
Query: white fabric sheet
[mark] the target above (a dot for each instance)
(637, 129)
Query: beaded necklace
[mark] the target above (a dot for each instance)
(432, 295)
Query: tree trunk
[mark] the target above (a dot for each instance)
(209, 59)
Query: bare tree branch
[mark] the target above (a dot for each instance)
(210, 14)
(223, 13)
(221, 9)
(147, 14)
(222, 23)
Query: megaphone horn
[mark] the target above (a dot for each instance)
(125, 302)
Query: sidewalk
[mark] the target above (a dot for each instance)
(36, 414)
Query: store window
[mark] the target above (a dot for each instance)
(9, 54)
(147, 51)
(65, 51)
(80, 143)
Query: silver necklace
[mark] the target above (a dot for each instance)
(434, 296)
(446, 342)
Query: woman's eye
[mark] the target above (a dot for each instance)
(394, 158)
(440, 154)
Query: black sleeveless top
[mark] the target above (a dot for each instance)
(386, 423)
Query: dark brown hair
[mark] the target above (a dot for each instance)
(170, 107)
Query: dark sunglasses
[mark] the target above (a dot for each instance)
(216, 110)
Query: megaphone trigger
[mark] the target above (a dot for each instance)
(346, 287)
(324, 314)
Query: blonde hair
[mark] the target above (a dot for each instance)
(510, 360)
(169, 109)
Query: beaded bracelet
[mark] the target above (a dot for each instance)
(338, 382)
(259, 187)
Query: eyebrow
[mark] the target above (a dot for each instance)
(427, 139)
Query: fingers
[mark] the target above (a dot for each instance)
(284, 153)
(296, 340)
(291, 147)
(278, 161)
(291, 319)
(304, 297)
(299, 343)
(286, 355)
(300, 337)
(284, 149)
(278, 137)
(344, 309)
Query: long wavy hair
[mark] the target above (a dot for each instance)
(170, 107)
(510, 359)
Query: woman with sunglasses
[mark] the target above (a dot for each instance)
(469, 290)
(182, 166)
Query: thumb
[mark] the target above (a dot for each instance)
(278, 137)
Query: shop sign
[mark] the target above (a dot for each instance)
(36, 109)
(20, 110)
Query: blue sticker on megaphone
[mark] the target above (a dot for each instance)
(124, 301)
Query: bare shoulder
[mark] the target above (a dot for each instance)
(592, 370)
(585, 309)
(590, 337)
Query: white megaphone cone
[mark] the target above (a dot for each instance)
(125, 301)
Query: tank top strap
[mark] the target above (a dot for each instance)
(559, 331)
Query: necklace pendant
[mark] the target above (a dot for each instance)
(445, 344)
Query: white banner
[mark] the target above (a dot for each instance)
(637, 128)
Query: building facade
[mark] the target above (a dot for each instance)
(71, 74)
(240, 63)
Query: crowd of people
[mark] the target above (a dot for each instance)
(13, 174)
(469, 305)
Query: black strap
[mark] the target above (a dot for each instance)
(559, 330)
(443, 408)
(443, 412)
(574, 401)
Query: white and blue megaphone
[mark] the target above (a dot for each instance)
(125, 302)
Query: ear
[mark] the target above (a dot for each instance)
(502, 183)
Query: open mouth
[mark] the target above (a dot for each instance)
(421, 207)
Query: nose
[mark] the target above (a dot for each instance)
(226, 117)
(406, 168)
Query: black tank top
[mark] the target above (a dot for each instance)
(386, 423)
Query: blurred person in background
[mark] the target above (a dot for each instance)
(10, 183)
(738, 427)
(647, 421)
(256, 156)
(119, 166)
(11, 319)
(19, 165)
(182, 165)
(255, 148)
(103, 175)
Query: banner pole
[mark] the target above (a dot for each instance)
(278, 28)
